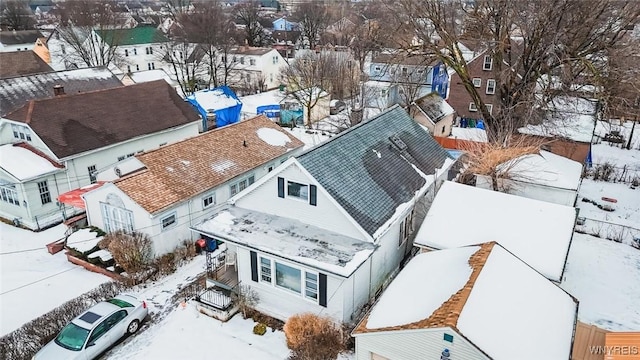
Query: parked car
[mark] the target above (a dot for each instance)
(336, 106)
(97, 329)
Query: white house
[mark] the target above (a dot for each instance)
(137, 49)
(254, 69)
(475, 302)
(537, 232)
(324, 231)
(544, 176)
(180, 184)
(85, 133)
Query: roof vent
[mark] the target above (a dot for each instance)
(399, 144)
(58, 90)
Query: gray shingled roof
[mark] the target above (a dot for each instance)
(366, 174)
(17, 91)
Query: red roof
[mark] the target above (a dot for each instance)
(74, 197)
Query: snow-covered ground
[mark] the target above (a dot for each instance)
(627, 207)
(605, 277)
(34, 282)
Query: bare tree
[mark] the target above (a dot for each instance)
(533, 46)
(16, 15)
(187, 61)
(211, 28)
(89, 28)
(249, 15)
(307, 77)
(313, 18)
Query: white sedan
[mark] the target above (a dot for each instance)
(95, 330)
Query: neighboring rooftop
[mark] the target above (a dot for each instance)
(247, 50)
(403, 58)
(546, 169)
(19, 63)
(537, 232)
(288, 238)
(215, 99)
(489, 296)
(18, 91)
(134, 36)
(573, 118)
(471, 134)
(360, 166)
(19, 37)
(23, 164)
(184, 169)
(75, 123)
(434, 107)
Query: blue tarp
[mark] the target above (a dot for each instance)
(270, 111)
(204, 101)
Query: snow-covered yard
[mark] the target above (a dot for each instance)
(626, 209)
(32, 281)
(605, 277)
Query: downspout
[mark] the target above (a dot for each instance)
(60, 205)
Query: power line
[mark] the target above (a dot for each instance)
(37, 281)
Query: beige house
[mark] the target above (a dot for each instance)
(314, 103)
(434, 113)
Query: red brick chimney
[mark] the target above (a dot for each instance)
(58, 90)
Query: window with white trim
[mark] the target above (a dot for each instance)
(297, 190)
(151, 66)
(477, 82)
(21, 132)
(491, 86)
(488, 62)
(168, 221)
(149, 50)
(288, 277)
(252, 61)
(265, 270)
(311, 286)
(489, 108)
(126, 52)
(209, 200)
(45, 195)
(241, 184)
(9, 194)
(115, 218)
(472, 106)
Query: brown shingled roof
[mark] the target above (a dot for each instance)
(448, 313)
(180, 171)
(75, 123)
(19, 63)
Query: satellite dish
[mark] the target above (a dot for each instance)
(117, 171)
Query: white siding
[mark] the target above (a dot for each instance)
(532, 191)
(415, 344)
(325, 215)
(141, 219)
(281, 303)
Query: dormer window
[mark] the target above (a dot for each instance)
(252, 61)
(297, 190)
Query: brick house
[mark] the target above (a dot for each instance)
(480, 68)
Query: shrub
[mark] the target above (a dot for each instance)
(259, 329)
(313, 337)
(246, 298)
(166, 264)
(131, 251)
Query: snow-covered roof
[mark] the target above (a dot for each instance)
(472, 134)
(568, 117)
(434, 107)
(214, 99)
(289, 239)
(537, 232)
(546, 169)
(151, 75)
(252, 102)
(24, 164)
(489, 296)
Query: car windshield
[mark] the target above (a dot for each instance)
(72, 337)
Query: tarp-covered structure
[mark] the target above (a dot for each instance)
(221, 101)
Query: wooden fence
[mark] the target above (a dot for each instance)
(588, 338)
